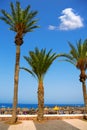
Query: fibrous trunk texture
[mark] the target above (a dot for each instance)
(16, 79)
(40, 101)
(84, 95)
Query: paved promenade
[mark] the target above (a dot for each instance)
(68, 124)
(82, 125)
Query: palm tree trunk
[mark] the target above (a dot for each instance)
(84, 95)
(40, 101)
(16, 79)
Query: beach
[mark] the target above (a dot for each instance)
(47, 110)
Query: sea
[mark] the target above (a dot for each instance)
(29, 106)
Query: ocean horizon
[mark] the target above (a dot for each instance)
(9, 105)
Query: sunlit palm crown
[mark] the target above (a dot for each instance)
(20, 20)
(78, 55)
(39, 61)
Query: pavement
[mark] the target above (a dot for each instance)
(82, 125)
(25, 125)
(67, 124)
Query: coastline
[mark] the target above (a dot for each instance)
(47, 110)
(34, 105)
(63, 112)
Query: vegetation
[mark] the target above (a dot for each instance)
(78, 57)
(39, 61)
(20, 21)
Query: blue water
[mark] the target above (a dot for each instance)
(6, 105)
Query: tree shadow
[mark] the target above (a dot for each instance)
(54, 125)
(4, 126)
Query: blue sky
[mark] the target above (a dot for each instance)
(60, 21)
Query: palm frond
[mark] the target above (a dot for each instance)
(26, 58)
(12, 29)
(40, 61)
(85, 48)
(6, 21)
(26, 13)
(30, 23)
(7, 16)
(31, 29)
(79, 48)
(29, 71)
(69, 56)
(73, 51)
(34, 56)
(30, 16)
(70, 61)
(20, 17)
(78, 55)
(13, 12)
(18, 11)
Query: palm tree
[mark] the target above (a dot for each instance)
(40, 61)
(20, 21)
(78, 57)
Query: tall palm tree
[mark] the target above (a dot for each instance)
(40, 61)
(20, 21)
(78, 57)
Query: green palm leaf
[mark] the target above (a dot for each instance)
(77, 55)
(40, 61)
(29, 71)
(73, 51)
(13, 11)
(19, 17)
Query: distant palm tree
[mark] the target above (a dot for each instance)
(40, 61)
(20, 21)
(78, 57)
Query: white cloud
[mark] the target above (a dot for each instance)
(51, 27)
(70, 20)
